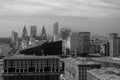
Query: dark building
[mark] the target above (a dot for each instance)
(48, 48)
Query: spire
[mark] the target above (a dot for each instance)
(43, 34)
(43, 30)
(24, 35)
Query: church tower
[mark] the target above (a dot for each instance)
(43, 34)
(24, 35)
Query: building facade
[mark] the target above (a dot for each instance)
(104, 49)
(80, 42)
(107, 62)
(33, 35)
(76, 68)
(31, 65)
(56, 31)
(114, 45)
(65, 37)
(14, 39)
(33, 32)
(103, 74)
(14, 36)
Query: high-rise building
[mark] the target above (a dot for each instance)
(33, 31)
(56, 31)
(14, 36)
(114, 45)
(43, 34)
(65, 36)
(33, 35)
(76, 68)
(14, 39)
(80, 42)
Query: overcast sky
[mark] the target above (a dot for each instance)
(97, 16)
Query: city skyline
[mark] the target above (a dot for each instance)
(96, 16)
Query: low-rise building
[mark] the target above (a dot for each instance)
(108, 61)
(76, 68)
(31, 65)
(103, 74)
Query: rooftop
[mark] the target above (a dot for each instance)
(108, 59)
(30, 57)
(80, 61)
(104, 74)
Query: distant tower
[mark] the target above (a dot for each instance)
(24, 35)
(55, 31)
(25, 38)
(33, 35)
(33, 31)
(43, 34)
(14, 36)
(14, 39)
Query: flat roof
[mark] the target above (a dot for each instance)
(104, 74)
(108, 59)
(30, 57)
(81, 61)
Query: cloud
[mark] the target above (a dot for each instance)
(77, 8)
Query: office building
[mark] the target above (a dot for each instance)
(80, 42)
(33, 31)
(33, 35)
(76, 68)
(14, 39)
(99, 45)
(31, 65)
(14, 36)
(103, 74)
(114, 45)
(56, 31)
(65, 37)
(104, 49)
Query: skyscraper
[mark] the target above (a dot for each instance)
(33, 31)
(43, 34)
(65, 36)
(33, 35)
(14, 39)
(55, 31)
(14, 36)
